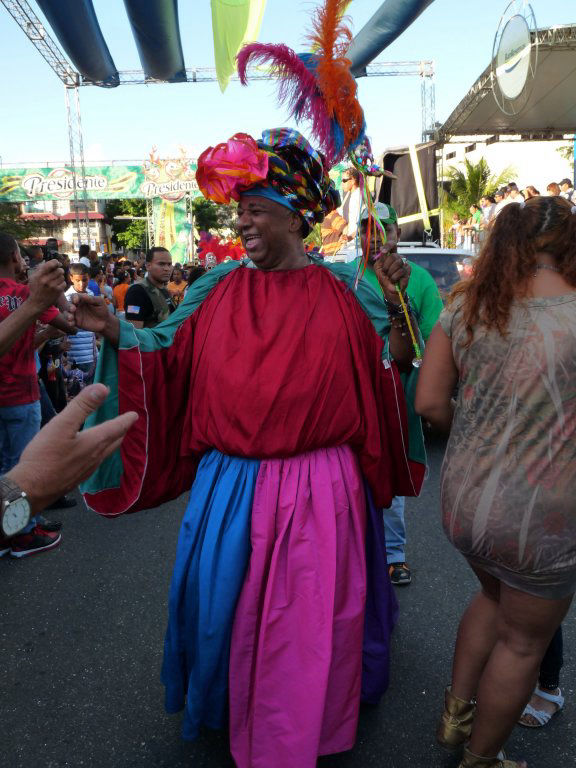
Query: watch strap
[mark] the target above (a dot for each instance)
(9, 491)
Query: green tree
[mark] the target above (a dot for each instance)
(211, 216)
(467, 185)
(205, 214)
(462, 186)
(131, 233)
(12, 224)
(567, 153)
(227, 215)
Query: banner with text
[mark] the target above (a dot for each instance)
(169, 180)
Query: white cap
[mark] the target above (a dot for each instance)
(384, 212)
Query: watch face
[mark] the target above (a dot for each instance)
(16, 516)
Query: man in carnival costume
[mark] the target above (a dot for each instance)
(273, 392)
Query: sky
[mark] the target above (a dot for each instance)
(126, 122)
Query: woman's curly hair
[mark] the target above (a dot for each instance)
(507, 261)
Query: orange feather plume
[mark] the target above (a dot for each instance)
(331, 37)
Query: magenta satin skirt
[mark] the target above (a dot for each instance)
(296, 652)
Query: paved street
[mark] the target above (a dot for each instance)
(81, 632)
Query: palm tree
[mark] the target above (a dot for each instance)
(465, 186)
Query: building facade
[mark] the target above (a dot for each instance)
(57, 219)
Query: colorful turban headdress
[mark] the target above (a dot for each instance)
(282, 166)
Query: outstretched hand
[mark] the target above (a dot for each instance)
(60, 456)
(91, 313)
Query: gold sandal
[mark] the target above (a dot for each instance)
(455, 725)
(471, 760)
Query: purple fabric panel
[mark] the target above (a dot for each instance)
(296, 657)
(381, 608)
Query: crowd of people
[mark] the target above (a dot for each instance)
(469, 232)
(281, 391)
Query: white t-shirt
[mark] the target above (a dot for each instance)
(350, 210)
(507, 201)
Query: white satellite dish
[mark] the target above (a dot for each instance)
(515, 57)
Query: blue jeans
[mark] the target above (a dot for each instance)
(46, 408)
(18, 425)
(395, 531)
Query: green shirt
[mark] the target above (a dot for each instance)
(424, 296)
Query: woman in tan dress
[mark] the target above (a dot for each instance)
(508, 339)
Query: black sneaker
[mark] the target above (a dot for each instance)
(48, 525)
(400, 574)
(36, 540)
(4, 546)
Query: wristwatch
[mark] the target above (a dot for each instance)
(15, 508)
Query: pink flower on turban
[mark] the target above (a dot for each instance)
(227, 169)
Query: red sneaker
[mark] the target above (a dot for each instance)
(36, 540)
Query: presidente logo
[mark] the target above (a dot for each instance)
(513, 58)
(169, 190)
(60, 183)
(169, 179)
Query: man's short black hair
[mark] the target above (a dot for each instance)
(151, 251)
(78, 268)
(566, 181)
(84, 250)
(7, 247)
(95, 270)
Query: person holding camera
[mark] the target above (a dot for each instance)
(21, 306)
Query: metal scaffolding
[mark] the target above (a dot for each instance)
(428, 98)
(35, 31)
(208, 74)
(79, 194)
(150, 222)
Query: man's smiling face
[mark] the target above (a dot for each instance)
(265, 228)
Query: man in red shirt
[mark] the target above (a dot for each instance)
(19, 391)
